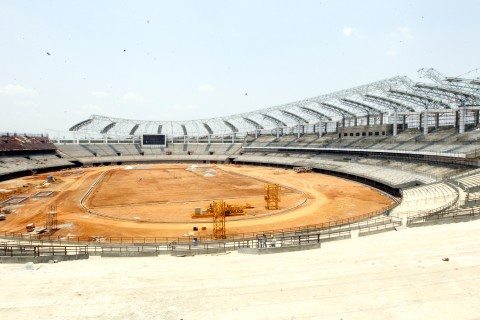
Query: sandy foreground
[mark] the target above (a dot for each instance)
(395, 275)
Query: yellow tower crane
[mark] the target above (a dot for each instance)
(218, 212)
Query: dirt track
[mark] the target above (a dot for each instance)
(169, 193)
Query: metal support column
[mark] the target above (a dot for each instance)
(394, 124)
(461, 120)
(425, 122)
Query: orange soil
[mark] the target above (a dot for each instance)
(169, 193)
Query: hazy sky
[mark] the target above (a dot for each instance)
(61, 61)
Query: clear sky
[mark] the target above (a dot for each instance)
(62, 61)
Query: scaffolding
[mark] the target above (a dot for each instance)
(52, 223)
(272, 196)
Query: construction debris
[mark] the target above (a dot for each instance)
(302, 169)
(30, 227)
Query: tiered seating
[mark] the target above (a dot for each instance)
(426, 199)
(388, 176)
(441, 141)
(73, 151)
(104, 153)
(469, 181)
(10, 143)
(436, 171)
(10, 165)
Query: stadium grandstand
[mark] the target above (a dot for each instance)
(419, 139)
(240, 160)
(418, 143)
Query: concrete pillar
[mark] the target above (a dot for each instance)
(355, 121)
(343, 122)
(278, 132)
(404, 122)
(381, 118)
(256, 133)
(394, 124)
(455, 122)
(298, 131)
(437, 120)
(209, 139)
(461, 120)
(319, 129)
(233, 137)
(476, 116)
(368, 119)
(420, 119)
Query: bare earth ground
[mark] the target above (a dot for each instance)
(169, 193)
(393, 275)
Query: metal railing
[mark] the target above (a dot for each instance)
(353, 222)
(39, 250)
(445, 215)
(284, 237)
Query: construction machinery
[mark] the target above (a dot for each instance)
(230, 210)
(272, 196)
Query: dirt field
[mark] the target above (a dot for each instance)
(158, 200)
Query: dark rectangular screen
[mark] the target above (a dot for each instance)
(153, 139)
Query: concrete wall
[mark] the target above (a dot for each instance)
(368, 233)
(279, 249)
(127, 254)
(45, 259)
(180, 253)
(366, 131)
(443, 221)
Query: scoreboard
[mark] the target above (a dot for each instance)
(154, 140)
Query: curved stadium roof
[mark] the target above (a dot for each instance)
(397, 94)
